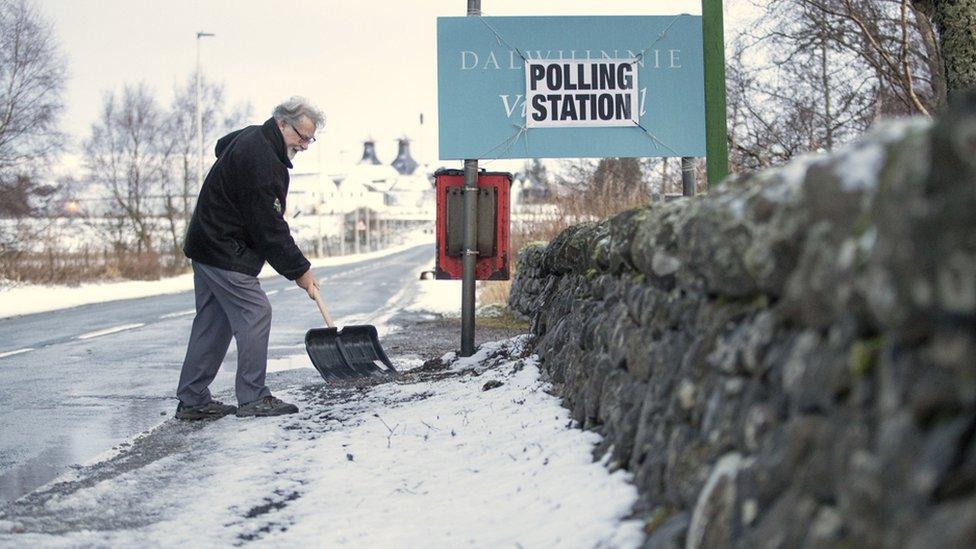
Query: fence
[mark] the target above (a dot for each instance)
(76, 250)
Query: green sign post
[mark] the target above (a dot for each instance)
(716, 131)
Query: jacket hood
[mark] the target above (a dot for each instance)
(269, 130)
(226, 140)
(273, 135)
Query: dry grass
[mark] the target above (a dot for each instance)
(493, 292)
(573, 209)
(506, 321)
(73, 268)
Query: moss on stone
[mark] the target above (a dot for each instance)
(506, 321)
(863, 223)
(658, 516)
(863, 356)
(536, 244)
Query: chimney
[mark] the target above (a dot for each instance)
(369, 154)
(404, 163)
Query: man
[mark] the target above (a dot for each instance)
(237, 225)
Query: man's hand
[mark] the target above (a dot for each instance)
(308, 283)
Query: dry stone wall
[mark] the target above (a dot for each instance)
(790, 360)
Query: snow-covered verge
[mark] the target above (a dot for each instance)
(440, 297)
(27, 299)
(467, 451)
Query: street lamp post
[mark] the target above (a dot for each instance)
(200, 35)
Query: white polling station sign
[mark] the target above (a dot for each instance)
(569, 93)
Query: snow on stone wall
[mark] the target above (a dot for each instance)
(789, 360)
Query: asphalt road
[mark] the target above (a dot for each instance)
(99, 374)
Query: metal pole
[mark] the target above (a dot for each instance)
(199, 121)
(470, 256)
(320, 243)
(369, 232)
(200, 35)
(687, 176)
(716, 130)
(470, 236)
(355, 231)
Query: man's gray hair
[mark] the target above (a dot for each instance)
(294, 108)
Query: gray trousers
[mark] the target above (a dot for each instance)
(229, 304)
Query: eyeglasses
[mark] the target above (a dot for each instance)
(308, 140)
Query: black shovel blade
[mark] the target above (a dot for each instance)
(322, 345)
(360, 345)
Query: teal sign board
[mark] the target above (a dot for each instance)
(595, 87)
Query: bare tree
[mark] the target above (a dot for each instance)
(22, 196)
(889, 36)
(815, 73)
(144, 157)
(598, 189)
(32, 78)
(129, 155)
(218, 119)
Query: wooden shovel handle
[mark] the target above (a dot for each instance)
(325, 312)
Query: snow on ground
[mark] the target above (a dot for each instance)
(22, 300)
(475, 453)
(431, 460)
(442, 297)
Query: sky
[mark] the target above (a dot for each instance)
(370, 67)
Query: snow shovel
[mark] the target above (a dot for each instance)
(351, 353)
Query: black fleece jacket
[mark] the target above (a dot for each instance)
(238, 222)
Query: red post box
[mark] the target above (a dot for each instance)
(492, 229)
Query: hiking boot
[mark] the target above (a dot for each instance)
(267, 406)
(211, 410)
